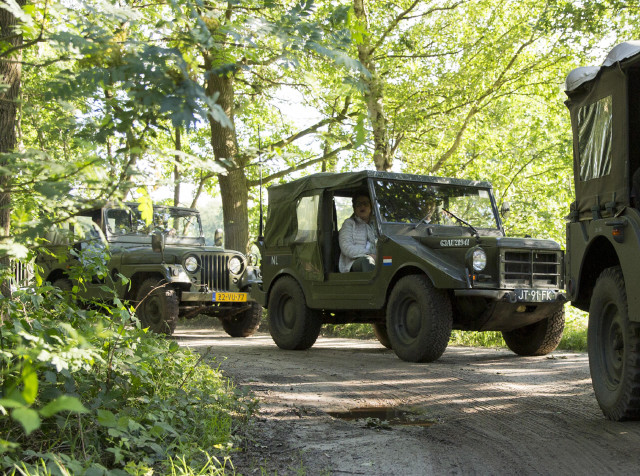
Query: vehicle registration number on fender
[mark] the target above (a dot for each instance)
(229, 297)
(535, 295)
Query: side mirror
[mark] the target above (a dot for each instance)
(217, 237)
(505, 209)
(157, 242)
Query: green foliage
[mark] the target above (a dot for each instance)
(87, 390)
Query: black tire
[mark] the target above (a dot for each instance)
(158, 306)
(538, 338)
(245, 323)
(614, 349)
(293, 326)
(380, 330)
(419, 319)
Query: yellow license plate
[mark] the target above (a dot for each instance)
(229, 297)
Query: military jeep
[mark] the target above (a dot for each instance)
(170, 271)
(603, 229)
(442, 263)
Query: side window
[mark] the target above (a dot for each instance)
(344, 209)
(594, 139)
(307, 215)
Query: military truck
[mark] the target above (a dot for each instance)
(443, 262)
(169, 270)
(603, 228)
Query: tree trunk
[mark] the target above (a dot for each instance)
(10, 73)
(234, 188)
(374, 96)
(177, 172)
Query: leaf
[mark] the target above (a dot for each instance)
(360, 131)
(145, 205)
(107, 418)
(28, 418)
(30, 384)
(63, 403)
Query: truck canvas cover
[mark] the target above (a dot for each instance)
(602, 102)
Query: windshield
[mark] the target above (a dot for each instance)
(173, 222)
(434, 204)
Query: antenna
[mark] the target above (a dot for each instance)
(260, 235)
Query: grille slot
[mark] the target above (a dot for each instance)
(531, 268)
(215, 271)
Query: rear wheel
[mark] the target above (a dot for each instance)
(293, 326)
(158, 306)
(245, 323)
(538, 338)
(380, 330)
(614, 348)
(419, 319)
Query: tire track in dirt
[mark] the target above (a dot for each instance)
(494, 412)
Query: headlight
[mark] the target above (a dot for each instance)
(479, 259)
(235, 265)
(191, 264)
(252, 259)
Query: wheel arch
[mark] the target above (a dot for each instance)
(137, 279)
(403, 271)
(599, 255)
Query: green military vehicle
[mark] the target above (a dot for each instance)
(603, 229)
(170, 270)
(443, 262)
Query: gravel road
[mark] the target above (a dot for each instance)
(474, 411)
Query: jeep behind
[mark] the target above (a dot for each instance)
(169, 270)
(443, 262)
(603, 229)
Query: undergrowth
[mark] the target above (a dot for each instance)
(86, 391)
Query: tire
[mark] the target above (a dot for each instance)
(293, 326)
(158, 306)
(419, 319)
(614, 349)
(245, 323)
(380, 330)
(538, 338)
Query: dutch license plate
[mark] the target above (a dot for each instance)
(535, 295)
(229, 297)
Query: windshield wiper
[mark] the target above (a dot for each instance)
(460, 220)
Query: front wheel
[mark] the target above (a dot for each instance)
(158, 306)
(614, 349)
(419, 319)
(293, 326)
(380, 330)
(245, 323)
(538, 338)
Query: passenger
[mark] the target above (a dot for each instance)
(358, 238)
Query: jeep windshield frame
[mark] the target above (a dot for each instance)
(436, 205)
(180, 226)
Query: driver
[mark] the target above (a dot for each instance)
(358, 238)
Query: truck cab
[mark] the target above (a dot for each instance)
(603, 225)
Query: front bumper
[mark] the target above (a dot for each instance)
(513, 296)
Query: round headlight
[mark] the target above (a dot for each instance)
(479, 259)
(252, 259)
(191, 264)
(235, 265)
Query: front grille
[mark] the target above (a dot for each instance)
(215, 271)
(530, 268)
(21, 273)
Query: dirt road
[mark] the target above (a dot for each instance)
(475, 411)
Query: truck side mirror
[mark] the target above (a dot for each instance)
(157, 242)
(505, 209)
(217, 237)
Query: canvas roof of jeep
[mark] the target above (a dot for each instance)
(603, 101)
(289, 192)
